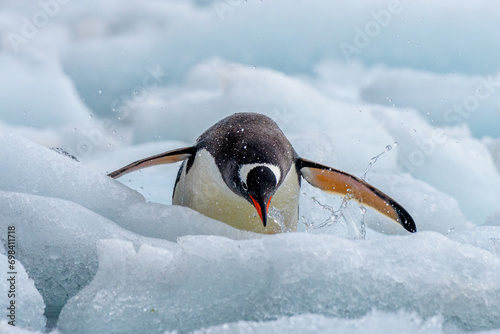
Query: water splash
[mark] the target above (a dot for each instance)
(374, 160)
(342, 215)
(277, 215)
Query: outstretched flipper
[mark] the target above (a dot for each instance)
(337, 182)
(159, 159)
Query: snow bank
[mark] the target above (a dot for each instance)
(211, 280)
(171, 222)
(215, 89)
(448, 159)
(57, 242)
(33, 169)
(448, 99)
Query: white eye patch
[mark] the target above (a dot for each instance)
(245, 169)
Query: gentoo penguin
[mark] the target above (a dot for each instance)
(244, 164)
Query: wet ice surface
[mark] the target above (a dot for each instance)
(110, 83)
(211, 280)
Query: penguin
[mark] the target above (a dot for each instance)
(244, 164)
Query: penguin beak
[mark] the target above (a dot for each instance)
(262, 208)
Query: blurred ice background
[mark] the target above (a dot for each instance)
(113, 81)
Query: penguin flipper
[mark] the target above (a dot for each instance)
(337, 182)
(159, 159)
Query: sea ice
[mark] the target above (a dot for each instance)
(448, 159)
(209, 281)
(57, 243)
(33, 169)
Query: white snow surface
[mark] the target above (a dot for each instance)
(213, 280)
(112, 82)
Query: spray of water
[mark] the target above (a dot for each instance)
(277, 215)
(340, 214)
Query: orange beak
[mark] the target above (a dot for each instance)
(262, 209)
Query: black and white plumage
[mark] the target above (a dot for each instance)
(244, 164)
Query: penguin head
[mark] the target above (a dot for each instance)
(252, 155)
(257, 183)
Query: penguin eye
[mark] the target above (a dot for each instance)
(244, 185)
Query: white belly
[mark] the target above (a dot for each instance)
(204, 190)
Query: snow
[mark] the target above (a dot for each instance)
(212, 280)
(111, 82)
(56, 243)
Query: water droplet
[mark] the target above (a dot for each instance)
(100, 91)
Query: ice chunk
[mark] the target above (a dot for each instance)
(449, 160)
(51, 94)
(57, 243)
(171, 222)
(485, 237)
(431, 209)
(374, 322)
(28, 303)
(446, 100)
(221, 88)
(155, 184)
(211, 280)
(54, 115)
(33, 169)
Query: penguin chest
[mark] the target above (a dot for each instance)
(203, 189)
